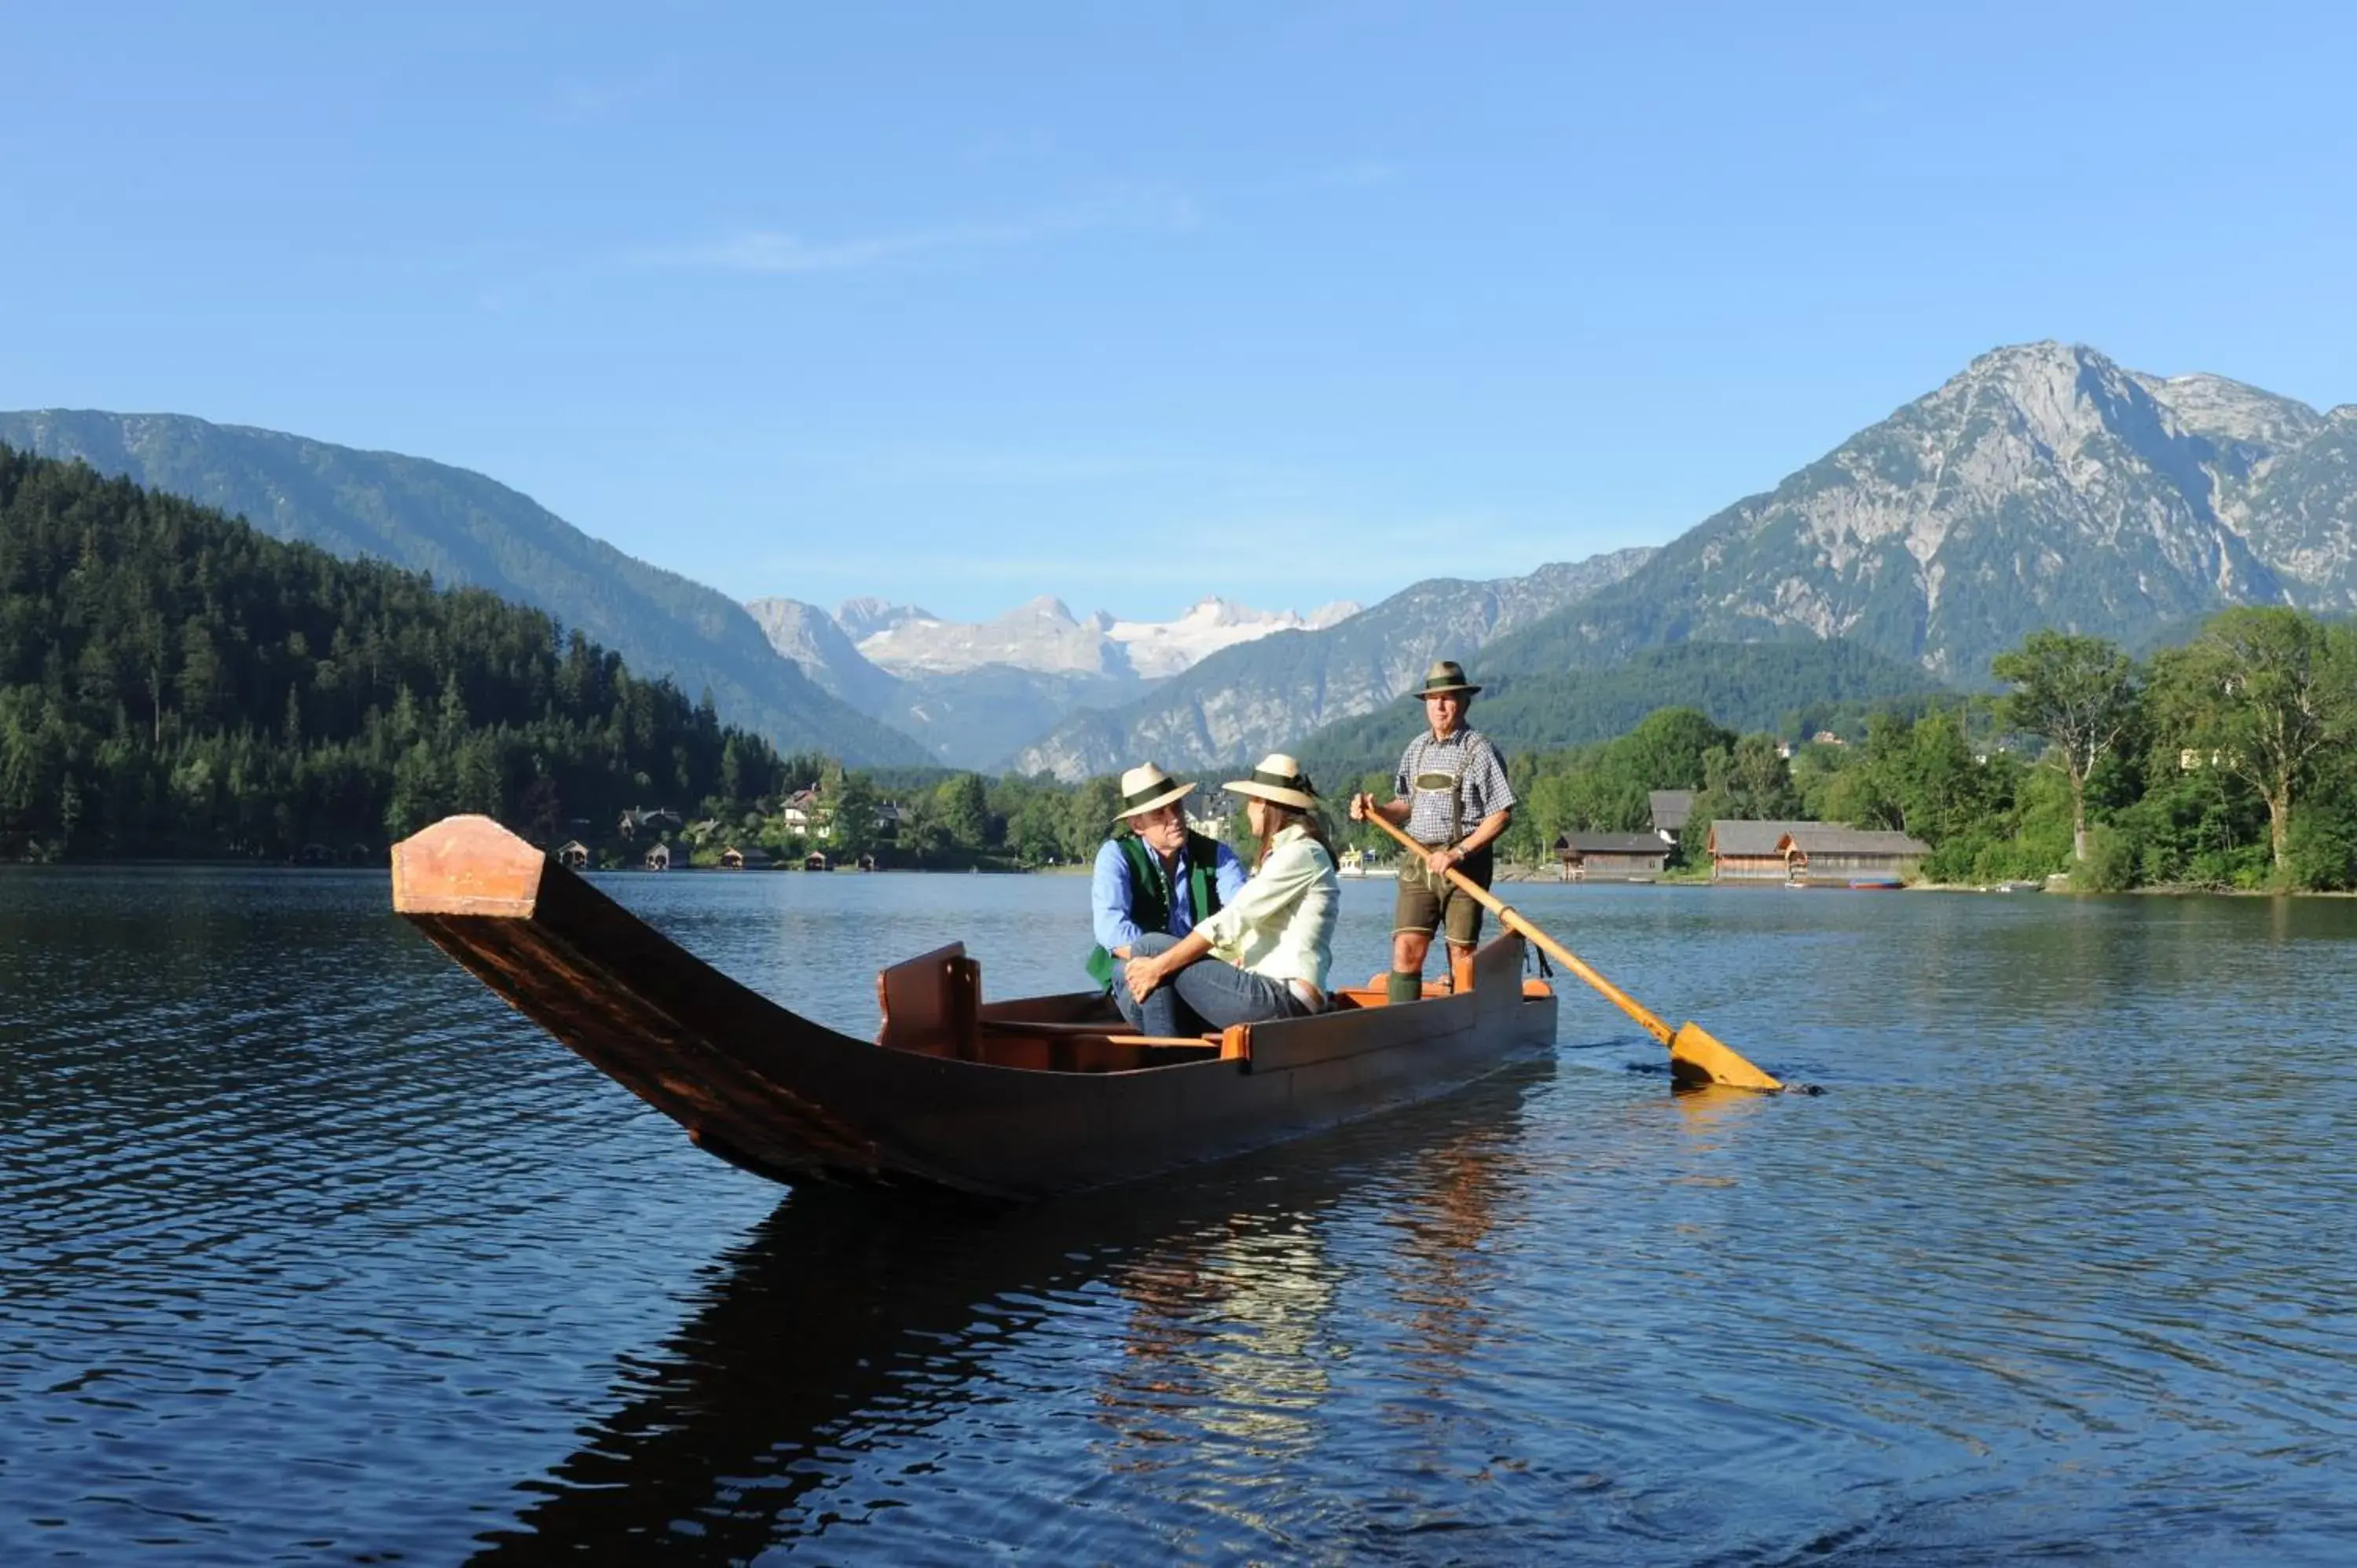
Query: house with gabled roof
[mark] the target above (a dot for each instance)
(1749, 852)
(1828, 853)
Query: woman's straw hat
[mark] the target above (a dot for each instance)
(1277, 778)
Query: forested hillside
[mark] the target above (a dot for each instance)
(172, 681)
(1789, 688)
(469, 530)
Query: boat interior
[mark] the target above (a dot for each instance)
(931, 1005)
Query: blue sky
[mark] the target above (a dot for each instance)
(961, 304)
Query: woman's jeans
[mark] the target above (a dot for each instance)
(1209, 994)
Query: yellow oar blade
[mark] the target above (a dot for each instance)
(1698, 1056)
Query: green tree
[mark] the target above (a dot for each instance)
(853, 824)
(2080, 693)
(2266, 694)
(962, 805)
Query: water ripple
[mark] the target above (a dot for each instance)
(317, 1252)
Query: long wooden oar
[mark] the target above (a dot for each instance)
(1696, 1055)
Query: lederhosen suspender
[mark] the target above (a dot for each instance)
(1475, 743)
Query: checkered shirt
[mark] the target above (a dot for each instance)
(1468, 752)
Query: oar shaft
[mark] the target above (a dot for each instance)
(1546, 944)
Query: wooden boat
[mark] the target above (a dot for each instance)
(1021, 1099)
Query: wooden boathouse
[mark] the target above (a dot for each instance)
(1611, 857)
(1750, 852)
(1825, 853)
(1809, 853)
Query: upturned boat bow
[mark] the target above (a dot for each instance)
(1021, 1099)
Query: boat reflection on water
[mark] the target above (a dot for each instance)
(1185, 1310)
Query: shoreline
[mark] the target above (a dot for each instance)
(1539, 875)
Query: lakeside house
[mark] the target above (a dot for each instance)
(1821, 852)
(659, 858)
(806, 815)
(735, 859)
(1803, 853)
(816, 861)
(573, 854)
(1750, 852)
(658, 821)
(1672, 809)
(1611, 857)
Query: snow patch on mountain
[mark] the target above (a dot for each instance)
(1166, 648)
(1044, 636)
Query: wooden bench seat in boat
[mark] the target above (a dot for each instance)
(931, 1005)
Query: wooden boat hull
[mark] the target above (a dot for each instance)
(1028, 1098)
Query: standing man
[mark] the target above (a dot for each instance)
(1452, 797)
(1159, 875)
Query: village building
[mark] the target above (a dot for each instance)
(1611, 857)
(659, 858)
(1670, 810)
(573, 854)
(816, 861)
(735, 859)
(1750, 852)
(635, 822)
(1807, 853)
(1823, 852)
(804, 814)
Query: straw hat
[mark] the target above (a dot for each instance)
(1445, 676)
(1277, 778)
(1146, 786)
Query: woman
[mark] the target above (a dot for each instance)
(1264, 955)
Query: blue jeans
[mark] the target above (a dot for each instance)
(1209, 994)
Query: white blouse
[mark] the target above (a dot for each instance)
(1281, 924)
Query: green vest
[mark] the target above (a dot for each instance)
(1150, 893)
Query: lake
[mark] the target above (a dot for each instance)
(315, 1253)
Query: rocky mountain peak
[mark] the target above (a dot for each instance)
(2229, 411)
(867, 615)
(2044, 485)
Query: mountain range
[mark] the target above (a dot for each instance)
(974, 692)
(2043, 485)
(468, 530)
(1267, 694)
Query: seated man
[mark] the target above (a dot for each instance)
(1265, 955)
(1159, 878)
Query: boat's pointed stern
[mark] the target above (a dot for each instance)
(466, 865)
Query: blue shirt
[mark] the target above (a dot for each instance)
(1109, 893)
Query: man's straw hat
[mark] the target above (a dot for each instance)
(1144, 788)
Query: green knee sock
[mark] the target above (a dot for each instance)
(1405, 985)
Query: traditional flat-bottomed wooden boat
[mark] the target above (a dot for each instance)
(1021, 1099)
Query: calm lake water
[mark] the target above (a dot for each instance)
(313, 1251)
